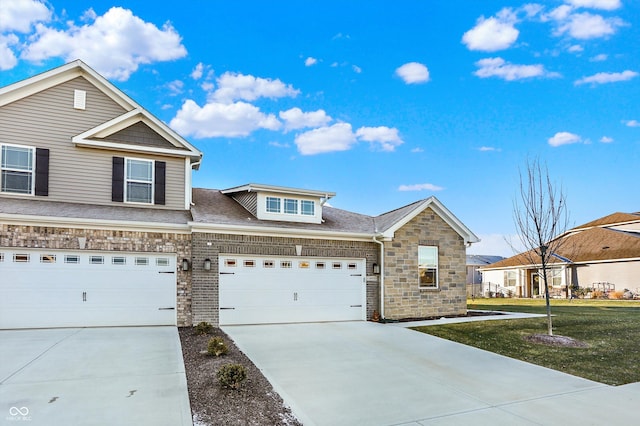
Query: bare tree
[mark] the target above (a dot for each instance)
(540, 215)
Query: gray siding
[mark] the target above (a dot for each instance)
(80, 175)
(248, 200)
(139, 134)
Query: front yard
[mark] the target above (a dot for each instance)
(611, 329)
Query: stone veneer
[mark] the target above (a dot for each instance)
(403, 298)
(209, 246)
(110, 240)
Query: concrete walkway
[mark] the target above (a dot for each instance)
(93, 376)
(362, 373)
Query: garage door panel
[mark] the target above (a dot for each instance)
(283, 290)
(124, 289)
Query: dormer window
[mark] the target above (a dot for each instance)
(308, 207)
(290, 206)
(139, 181)
(273, 204)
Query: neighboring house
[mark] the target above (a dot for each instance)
(99, 226)
(602, 255)
(474, 275)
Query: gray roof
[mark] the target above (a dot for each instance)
(212, 206)
(387, 220)
(482, 260)
(55, 209)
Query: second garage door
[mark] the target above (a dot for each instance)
(261, 290)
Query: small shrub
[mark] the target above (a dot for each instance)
(203, 328)
(217, 346)
(231, 375)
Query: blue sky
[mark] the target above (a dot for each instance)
(382, 102)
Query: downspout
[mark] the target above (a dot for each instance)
(375, 240)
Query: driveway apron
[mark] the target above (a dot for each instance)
(362, 373)
(93, 376)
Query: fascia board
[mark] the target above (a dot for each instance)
(12, 219)
(440, 210)
(277, 232)
(255, 187)
(133, 148)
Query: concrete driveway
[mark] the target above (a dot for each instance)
(362, 373)
(93, 376)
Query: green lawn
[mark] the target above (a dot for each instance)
(610, 328)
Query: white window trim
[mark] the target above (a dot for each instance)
(32, 190)
(127, 180)
(437, 268)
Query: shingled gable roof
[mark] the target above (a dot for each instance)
(586, 244)
(135, 113)
(388, 223)
(612, 219)
(214, 210)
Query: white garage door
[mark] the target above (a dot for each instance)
(260, 290)
(47, 288)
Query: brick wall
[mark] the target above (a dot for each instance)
(205, 301)
(110, 240)
(403, 297)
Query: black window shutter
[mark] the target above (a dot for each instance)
(117, 180)
(160, 179)
(42, 172)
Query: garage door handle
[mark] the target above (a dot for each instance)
(356, 306)
(356, 275)
(84, 296)
(166, 272)
(226, 308)
(227, 273)
(166, 309)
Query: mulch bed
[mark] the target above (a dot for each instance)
(255, 403)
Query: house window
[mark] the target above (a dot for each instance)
(118, 260)
(428, 266)
(308, 207)
(139, 181)
(96, 260)
(352, 266)
(285, 264)
(273, 204)
(556, 278)
(47, 258)
(320, 265)
(249, 263)
(337, 265)
(268, 264)
(303, 265)
(16, 168)
(71, 258)
(20, 258)
(230, 263)
(162, 261)
(509, 278)
(290, 206)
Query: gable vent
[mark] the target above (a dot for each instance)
(79, 99)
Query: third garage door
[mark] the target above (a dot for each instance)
(261, 290)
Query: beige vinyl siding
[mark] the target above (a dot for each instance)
(80, 175)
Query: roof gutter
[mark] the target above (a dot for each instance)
(375, 240)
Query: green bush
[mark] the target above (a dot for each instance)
(203, 328)
(231, 375)
(217, 346)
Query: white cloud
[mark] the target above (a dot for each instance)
(294, 118)
(232, 87)
(420, 187)
(498, 67)
(115, 44)
(494, 33)
(387, 137)
(575, 48)
(488, 149)
(413, 72)
(564, 138)
(417, 150)
(175, 87)
(596, 4)
(356, 69)
(607, 77)
(585, 26)
(599, 58)
(8, 59)
(338, 137)
(221, 120)
(632, 123)
(310, 61)
(606, 139)
(197, 72)
(20, 15)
